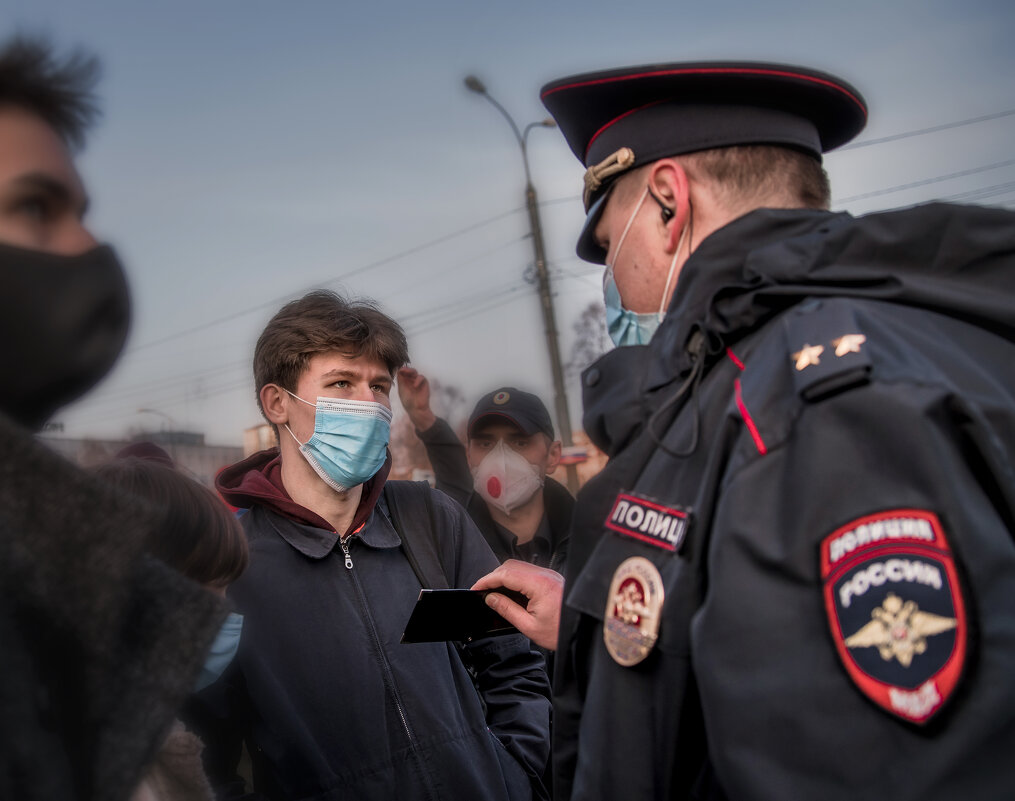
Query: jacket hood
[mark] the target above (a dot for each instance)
(257, 481)
(953, 260)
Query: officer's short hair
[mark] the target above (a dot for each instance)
(747, 175)
(59, 90)
(321, 322)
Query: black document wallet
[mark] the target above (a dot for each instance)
(456, 615)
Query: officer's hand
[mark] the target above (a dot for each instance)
(540, 620)
(414, 393)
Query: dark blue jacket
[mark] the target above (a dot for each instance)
(329, 702)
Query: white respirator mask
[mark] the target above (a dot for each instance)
(505, 480)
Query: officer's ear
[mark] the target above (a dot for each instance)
(667, 180)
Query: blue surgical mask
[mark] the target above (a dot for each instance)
(223, 649)
(350, 440)
(625, 326)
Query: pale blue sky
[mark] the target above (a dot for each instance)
(253, 149)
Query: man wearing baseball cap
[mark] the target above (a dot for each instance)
(501, 474)
(794, 578)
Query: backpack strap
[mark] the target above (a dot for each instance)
(406, 499)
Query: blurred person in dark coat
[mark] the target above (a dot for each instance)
(101, 640)
(200, 537)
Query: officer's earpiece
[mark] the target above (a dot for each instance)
(667, 212)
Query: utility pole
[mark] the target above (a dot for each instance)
(542, 275)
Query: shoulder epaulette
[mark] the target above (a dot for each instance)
(826, 349)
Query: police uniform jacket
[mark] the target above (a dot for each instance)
(815, 455)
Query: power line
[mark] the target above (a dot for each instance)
(507, 296)
(369, 266)
(429, 279)
(982, 192)
(460, 309)
(925, 182)
(148, 387)
(921, 131)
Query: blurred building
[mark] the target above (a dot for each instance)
(258, 438)
(187, 448)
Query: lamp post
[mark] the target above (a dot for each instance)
(473, 84)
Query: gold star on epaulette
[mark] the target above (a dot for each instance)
(850, 343)
(808, 355)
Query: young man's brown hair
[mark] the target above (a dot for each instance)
(319, 322)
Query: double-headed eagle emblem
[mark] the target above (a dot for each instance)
(899, 630)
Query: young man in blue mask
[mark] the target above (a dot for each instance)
(327, 699)
(100, 642)
(794, 578)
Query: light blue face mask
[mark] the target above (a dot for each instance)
(625, 326)
(350, 441)
(222, 651)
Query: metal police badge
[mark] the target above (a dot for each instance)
(895, 610)
(633, 609)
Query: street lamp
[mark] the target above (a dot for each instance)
(473, 84)
(159, 413)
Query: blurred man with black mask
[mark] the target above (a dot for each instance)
(84, 612)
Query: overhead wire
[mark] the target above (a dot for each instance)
(485, 300)
(921, 131)
(925, 182)
(438, 317)
(346, 275)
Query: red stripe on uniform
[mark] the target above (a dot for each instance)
(713, 71)
(759, 443)
(614, 121)
(734, 359)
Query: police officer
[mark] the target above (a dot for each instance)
(795, 577)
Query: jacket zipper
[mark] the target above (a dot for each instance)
(389, 678)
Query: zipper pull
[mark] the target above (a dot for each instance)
(345, 550)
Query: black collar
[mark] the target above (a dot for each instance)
(715, 295)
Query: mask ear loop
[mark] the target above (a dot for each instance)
(630, 222)
(673, 266)
(291, 434)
